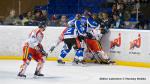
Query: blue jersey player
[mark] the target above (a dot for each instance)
(71, 40)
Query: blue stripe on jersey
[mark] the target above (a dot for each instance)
(92, 23)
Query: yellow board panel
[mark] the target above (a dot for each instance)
(118, 62)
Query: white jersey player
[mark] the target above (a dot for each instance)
(33, 49)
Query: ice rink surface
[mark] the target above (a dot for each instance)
(74, 74)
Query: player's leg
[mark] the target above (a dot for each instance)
(79, 51)
(63, 54)
(66, 49)
(26, 60)
(79, 56)
(103, 57)
(95, 48)
(39, 68)
(40, 63)
(23, 69)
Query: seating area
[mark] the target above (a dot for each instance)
(59, 12)
(74, 6)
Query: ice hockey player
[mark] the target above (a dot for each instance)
(71, 40)
(33, 48)
(94, 33)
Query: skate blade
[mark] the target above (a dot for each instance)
(82, 65)
(18, 77)
(37, 77)
(79, 64)
(61, 64)
(75, 63)
(113, 63)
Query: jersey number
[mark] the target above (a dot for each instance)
(70, 31)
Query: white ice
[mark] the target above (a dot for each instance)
(73, 74)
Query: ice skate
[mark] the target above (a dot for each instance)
(82, 62)
(60, 61)
(37, 74)
(111, 62)
(21, 75)
(108, 62)
(75, 61)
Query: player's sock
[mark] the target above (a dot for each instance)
(22, 70)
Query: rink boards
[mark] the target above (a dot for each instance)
(127, 47)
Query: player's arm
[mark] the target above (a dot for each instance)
(59, 40)
(39, 46)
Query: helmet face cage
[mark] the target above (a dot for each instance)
(42, 25)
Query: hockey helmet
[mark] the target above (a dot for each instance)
(42, 25)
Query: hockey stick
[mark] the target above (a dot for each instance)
(95, 55)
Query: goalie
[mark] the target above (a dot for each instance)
(94, 34)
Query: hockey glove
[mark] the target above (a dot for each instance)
(44, 53)
(103, 31)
